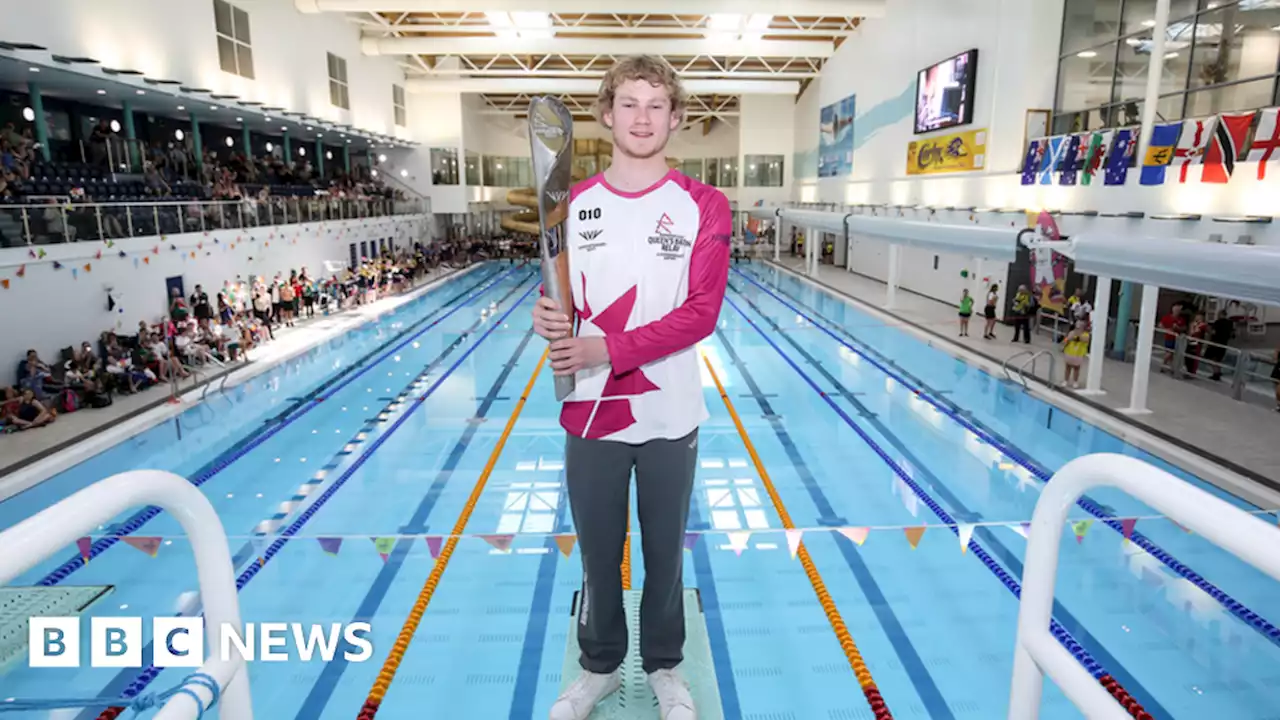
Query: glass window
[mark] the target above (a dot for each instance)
(1242, 96)
(1085, 78)
(1140, 15)
(1088, 23)
(514, 172)
(692, 167)
(713, 172)
(235, 55)
(397, 101)
(763, 171)
(338, 82)
(1135, 60)
(474, 178)
(444, 166)
(728, 172)
(1234, 43)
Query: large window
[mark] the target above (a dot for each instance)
(444, 166)
(762, 171)
(397, 100)
(234, 52)
(338, 82)
(1220, 56)
(722, 172)
(513, 172)
(692, 167)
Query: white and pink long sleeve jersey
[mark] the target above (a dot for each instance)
(648, 271)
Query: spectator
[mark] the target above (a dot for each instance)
(1075, 348)
(31, 413)
(1198, 331)
(1023, 308)
(178, 309)
(1171, 326)
(1220, 334)
(200, 304)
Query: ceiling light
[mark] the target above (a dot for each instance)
(239, 119)
(181, 107)
(724, 21)
(308, 128)
(328, 154)
(1170, 56)
(302, 151)
(140, 92)
(404, 172)
(1086, 54)
(284, 128)
(382, 158)
(1133, 42)
(34, 69)
(115, 126)
(178, 134)
(102, 92)
(213, 107)
(270, 147)
(1148, 23)
(28, 114)
(230, 142)
(758, 21)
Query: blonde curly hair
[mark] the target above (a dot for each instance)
(650, 68)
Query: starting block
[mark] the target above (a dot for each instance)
(19, 604)
(634, 700)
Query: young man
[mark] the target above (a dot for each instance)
(649, 261)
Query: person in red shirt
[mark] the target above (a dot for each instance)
(649, 262)
(1173, 325)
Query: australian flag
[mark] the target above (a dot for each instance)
(1031, 163)
(1122, 150)
(1073, 160)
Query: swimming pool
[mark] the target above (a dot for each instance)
(357, 461)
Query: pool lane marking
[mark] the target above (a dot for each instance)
(388, 672)
(912, 664)
(322, 687)
(1110, 519)
(150, 673)
(998, 548)
(1063, 636)
(869, 689)
(268, 526)
(257, 438)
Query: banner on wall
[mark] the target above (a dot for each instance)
(835, 138)
(954, 152)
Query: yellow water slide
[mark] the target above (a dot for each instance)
(589, 157)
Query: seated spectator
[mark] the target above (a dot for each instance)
(35, 374)
(178, 310)
(30, 413)
(155, 182)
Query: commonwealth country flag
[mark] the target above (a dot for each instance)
(1097, 152)
(1266, 141)
(1224, 147)
(1163, 140)
(1192, 144)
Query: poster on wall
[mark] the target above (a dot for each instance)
(954, 152)
(835, 139)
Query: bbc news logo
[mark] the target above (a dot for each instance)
(180, 642)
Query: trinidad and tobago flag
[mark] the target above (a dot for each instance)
(1224, 148)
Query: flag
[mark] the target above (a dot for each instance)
(793, 541)
(1163, 140)
(1098, 145)
(857, 534)
(1031, 163)
(1073, 163)
(965, 530)
(1265, 142)
(913, 535)
(738, 541)
(501, 543)
(565, 543)
(1191, 145)
(434, 543)
(1052, 157)
(1224, 147)
(384, 546)
(330, 545)
(1122, 152)
(148, 545)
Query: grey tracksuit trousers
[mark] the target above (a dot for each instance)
(598, 475)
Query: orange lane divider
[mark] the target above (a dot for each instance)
(388, 672)
(860, 669)
(626, 555)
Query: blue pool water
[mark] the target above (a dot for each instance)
(828, 397)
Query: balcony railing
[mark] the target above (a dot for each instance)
(60, 219)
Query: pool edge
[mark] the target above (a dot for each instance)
(1230, 477)
(29, 472)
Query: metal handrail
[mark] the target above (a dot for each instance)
(50, 531)
(1037, 652)
(1031, 357)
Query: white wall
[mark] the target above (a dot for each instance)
(176, 40)
(767, 127)
(67, 309)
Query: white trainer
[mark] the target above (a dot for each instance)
(581, 697)
(674, 700)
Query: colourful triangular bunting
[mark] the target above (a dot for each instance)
(913, 535)
(85, 544)
(856, 534)
(965, 531)
(1080, 527)
(565, 543)
(384, 546)
(500, 542)
(738, 541)
(690, 539)
(793, 541)
(330, 545)
(148, 545)
(434, 543)
(1127, 524)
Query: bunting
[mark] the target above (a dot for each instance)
(1266, 140)
(434, 543)
(857, 534)
(1127, 525)
(1051, 159)
(914, 534)
(500, 542)
(1122, 153)
(738, 541)
(1228, 137)
(148, 545)
(85, 545)
(565, 543)
(1074, 161)
(330, 545)
(1081, 527)
(793, 541)
(690, 540)
(1098, 145)
(965, 531)
(1031, 162)
(384, 546)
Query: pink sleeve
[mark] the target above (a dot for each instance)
(696, 318)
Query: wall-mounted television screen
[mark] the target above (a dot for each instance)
(944, 93)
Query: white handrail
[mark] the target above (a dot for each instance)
(57, 527)
(1037, 653)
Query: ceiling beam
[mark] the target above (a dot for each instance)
(589, 86)
(378, 45)
(844, 8)
(598, 72)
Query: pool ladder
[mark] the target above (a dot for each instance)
(1018, 373)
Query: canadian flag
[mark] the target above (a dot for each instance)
(1265, 142)
(1228, 137)
(1191, 144)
